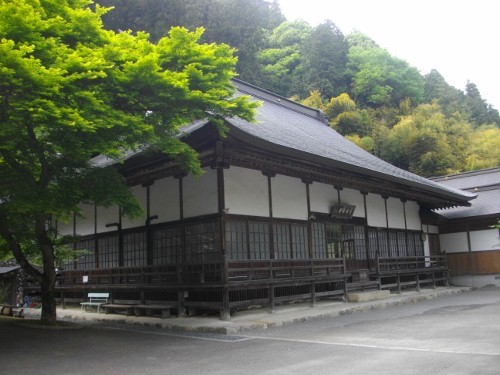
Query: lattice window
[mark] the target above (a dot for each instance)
(318, 240)
(236, 240)
(108, 251)
(300, 244)
(167, 245)
(402, 245)
(85, 254)
(134, 249)
(415, 244)
(202, 242)
(281, 241)
(258, 240)
(383, 251)
(372, 244)
(393, 243)
(360, 242)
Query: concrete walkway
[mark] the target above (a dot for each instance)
(253, 319)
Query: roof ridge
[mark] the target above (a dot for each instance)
(271, 97)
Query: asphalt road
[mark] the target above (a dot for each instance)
(457, 334)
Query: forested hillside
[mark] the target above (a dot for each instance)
(382, 103)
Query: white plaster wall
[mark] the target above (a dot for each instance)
(164, 196)
(453, 242)
(200, 194)
(322, 197)
(485, 240)
(375, 210)
(140, 193)
(413, 216)
(289, 198)
(355, 198)
(246, 192)
(396, 213)
(107, 216)
(85, 220)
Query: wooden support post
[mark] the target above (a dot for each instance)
(180, 304)
(313, 294)
(272, 302)
(225, 313)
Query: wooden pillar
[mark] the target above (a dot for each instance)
(269, 175)
(149, 218)
(367, 236)
(406, 228)
(389, 253)
(309, 219)
(96, 242)
(220, 164)
(120, 238)
(75, 265)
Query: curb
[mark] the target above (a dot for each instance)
(216, 326)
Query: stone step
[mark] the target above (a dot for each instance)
(373, 295)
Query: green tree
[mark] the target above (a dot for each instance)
(70, 90)
(380, 79)
(450, 99)
(484, 148)
(480, 112)
(427, 143)
(314, 100)
(282, 62)
(347, 119)
(325, 58)
(244, 25)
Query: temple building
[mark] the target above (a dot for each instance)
(468, 235)
(287, 209)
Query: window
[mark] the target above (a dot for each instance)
(202, 242)
(85, 254)
(300, 243)
(259, 244)
(134, 249)
(236, 240)
(281, 241)
(167, 245)
(318, 240)
(108, 251)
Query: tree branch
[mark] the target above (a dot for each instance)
(15, 248)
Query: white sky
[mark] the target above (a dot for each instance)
(461, 39)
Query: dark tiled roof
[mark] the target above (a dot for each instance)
(298, 128)
(471, 180)
(485, 183)
(487, 203)
(303, 131)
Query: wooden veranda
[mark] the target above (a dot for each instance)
(228, 286)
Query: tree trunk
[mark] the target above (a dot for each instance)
(48, 279)
(47, 286)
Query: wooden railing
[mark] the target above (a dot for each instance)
(244, 271)
(276, 270)
(190, 274)
(410, 264)
(412, 271)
